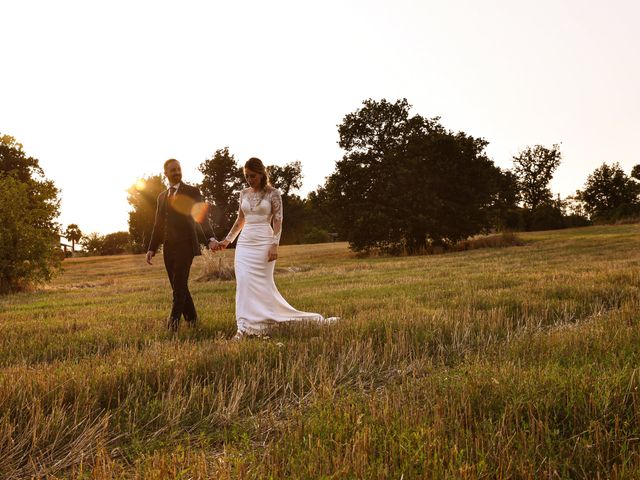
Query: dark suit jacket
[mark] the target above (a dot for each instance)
(186, 197)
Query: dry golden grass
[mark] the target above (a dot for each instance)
(488, 363)
(217, 266)
(501, 240)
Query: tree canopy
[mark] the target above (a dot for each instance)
(534, 168)
(73, 233)
(29, 205)
(92, 243)
(14, 162)
(221, 185)
(286, 178)
(406, 182)
(609, 194)
(115, 243)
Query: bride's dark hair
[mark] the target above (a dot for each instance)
(255, 165)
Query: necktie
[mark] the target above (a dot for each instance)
(172, 192)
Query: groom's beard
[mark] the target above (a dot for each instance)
(174, 179)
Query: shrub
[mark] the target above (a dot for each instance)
(116, 243)
(316, 235)
(505, 239)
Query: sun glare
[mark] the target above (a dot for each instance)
(185, 205)
(199, 211)
(140, 185)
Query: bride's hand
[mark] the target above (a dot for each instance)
(273, 253)
(223, 244)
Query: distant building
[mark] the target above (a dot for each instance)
(67, 247)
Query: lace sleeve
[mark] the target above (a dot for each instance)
(276, 211)
(238, 224)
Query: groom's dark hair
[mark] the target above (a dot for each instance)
(166, 164)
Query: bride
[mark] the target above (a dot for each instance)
(259, 304)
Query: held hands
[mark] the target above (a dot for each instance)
(150, 255)
(273, 253)
(214, 245)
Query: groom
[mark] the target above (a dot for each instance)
(181, 220)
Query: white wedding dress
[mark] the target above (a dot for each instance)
(259, 304)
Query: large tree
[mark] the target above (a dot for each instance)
(609, 194)
(534, 168)
(29, 205)
(142, 198)
(73, 233)
(223, 180)
(286, 178)
(406, 182)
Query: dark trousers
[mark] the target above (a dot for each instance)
(177, 261)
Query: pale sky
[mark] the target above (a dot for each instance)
(103, 92)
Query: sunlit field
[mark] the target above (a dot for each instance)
(517, 362)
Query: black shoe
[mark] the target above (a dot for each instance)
(172, 324)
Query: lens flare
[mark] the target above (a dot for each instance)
(199, 211)
(185, 205)
(182, 204)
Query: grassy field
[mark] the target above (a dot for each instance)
(519, 362)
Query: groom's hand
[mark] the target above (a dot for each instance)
(150, 255)
(214, 245)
